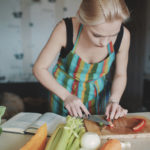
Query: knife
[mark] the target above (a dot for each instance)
(97, 119)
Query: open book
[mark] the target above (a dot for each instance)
(26, 122)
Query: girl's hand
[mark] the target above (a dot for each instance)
(75, 107)
(114, 111)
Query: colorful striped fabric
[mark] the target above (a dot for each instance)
(82, 79)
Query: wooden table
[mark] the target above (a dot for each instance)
(13, 141)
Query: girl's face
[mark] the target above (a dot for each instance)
(100, 35)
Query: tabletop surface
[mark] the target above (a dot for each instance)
(13, 141)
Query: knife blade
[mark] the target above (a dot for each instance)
(97, 119)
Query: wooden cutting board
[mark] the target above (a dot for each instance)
(123, 127)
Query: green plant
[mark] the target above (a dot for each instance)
(2, 111)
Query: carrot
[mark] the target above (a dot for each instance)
(38, 141)
(112, 144)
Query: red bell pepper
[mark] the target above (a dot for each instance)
(140, 125)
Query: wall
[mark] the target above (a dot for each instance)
(25, 28)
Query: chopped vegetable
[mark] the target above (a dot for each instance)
(112, 144)
(111, 125)
(90, 140)
(139, 126)
(38, 141)
(101, 124)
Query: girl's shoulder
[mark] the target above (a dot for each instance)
(59, 32)
(125, 40)
(62, 28)
(126, 33)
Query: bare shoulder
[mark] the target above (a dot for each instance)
(126, 34)
(59, 33)
(60, 26)
(125, 40)
(53, 46)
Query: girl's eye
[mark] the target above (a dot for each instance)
(99, 36)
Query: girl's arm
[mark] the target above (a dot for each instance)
(40, 69)
(46, 58)
(120, 78)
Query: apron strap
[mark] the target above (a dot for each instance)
(110, 48)
(77, 39)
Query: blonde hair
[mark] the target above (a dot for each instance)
(93, 12)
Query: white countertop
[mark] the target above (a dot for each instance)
(12, 141)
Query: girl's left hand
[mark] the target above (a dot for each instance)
(114, 111)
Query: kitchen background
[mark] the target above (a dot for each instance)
(25, 26)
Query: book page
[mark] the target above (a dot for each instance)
(20, 122)
(51, 119)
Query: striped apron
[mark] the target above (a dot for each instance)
(86, 81)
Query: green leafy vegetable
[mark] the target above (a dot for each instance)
(2, 111)
(71, 128)
(67, 137)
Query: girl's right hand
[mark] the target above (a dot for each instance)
(75, 107)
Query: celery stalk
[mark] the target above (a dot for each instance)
(70, 133)
(57, 138)
(81, 133)
(62, 144)
(54, 138)
(72, 124)
(76, 144)
(72, 139)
